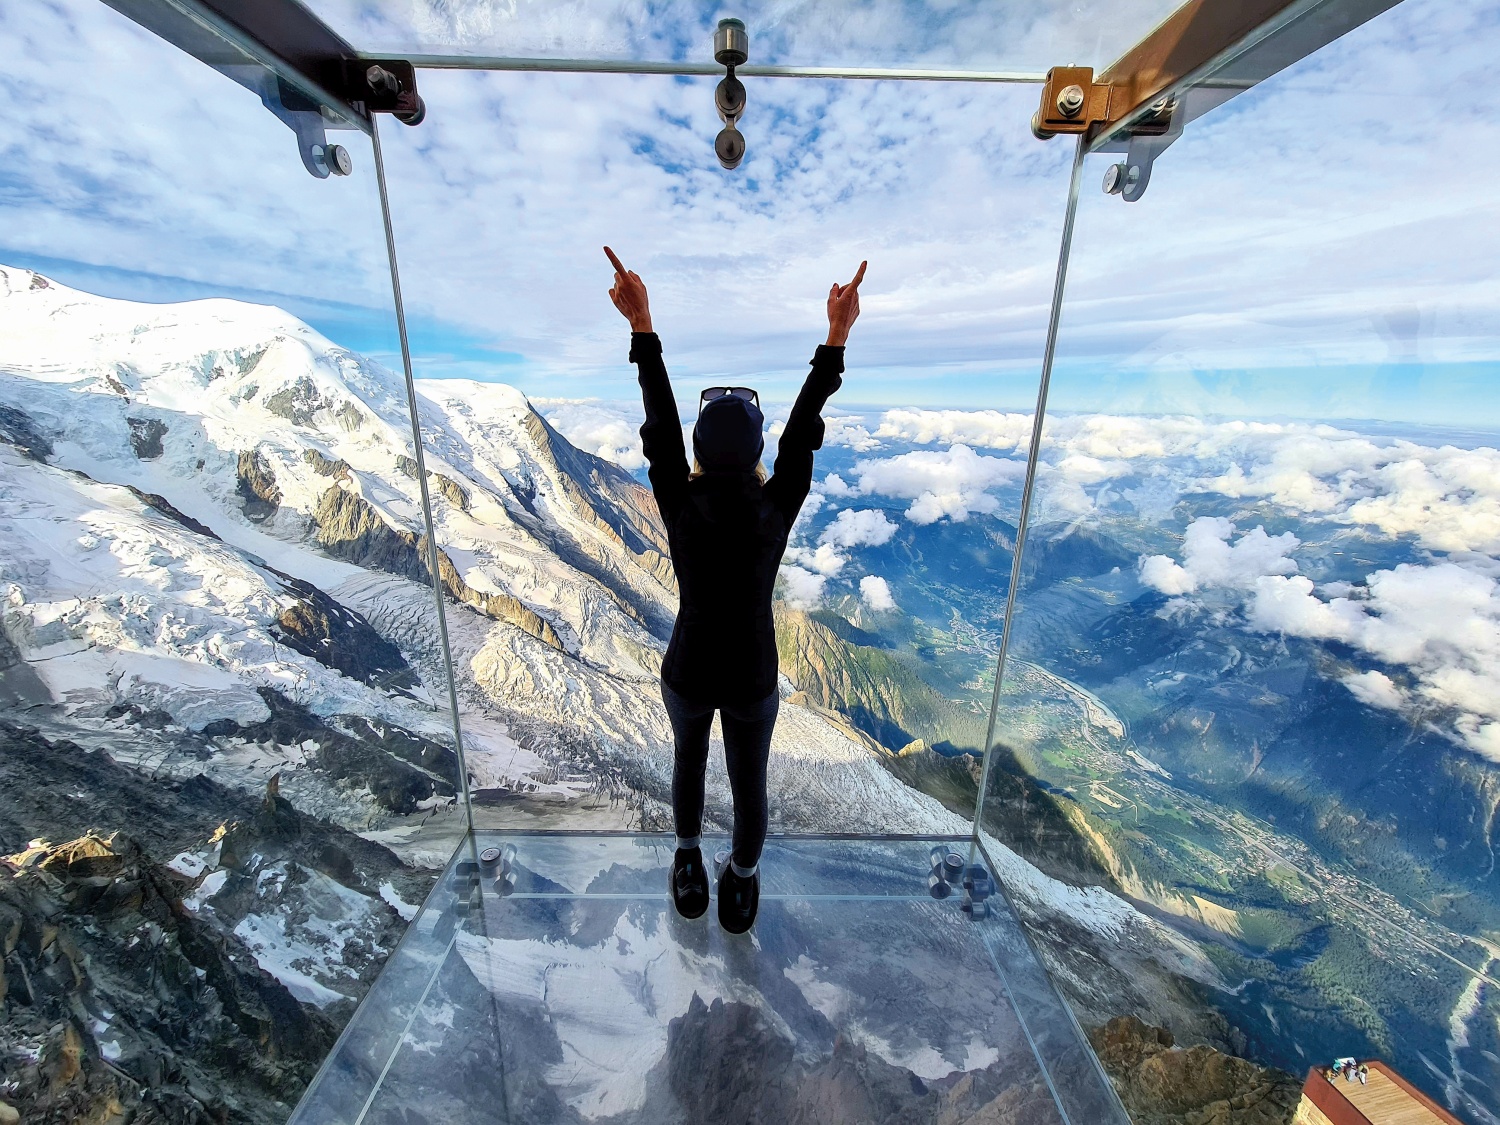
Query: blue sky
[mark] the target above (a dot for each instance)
(1325, 246)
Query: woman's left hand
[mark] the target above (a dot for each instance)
(629, 295)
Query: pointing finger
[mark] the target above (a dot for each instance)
(619, 268)
(860, 276)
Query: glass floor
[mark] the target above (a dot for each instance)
(559, 985)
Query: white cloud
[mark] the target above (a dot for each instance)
(603, 429)
(1162, 573)
(1083, 469)
(990, 429)
(802, 589)
(875, 592)
(1445, 497)
(952, 483)
(849, 431)
(1441, 622)
(1208, 558)
(825, 559)
(867, 527)
(834, 485)
(1375, 689)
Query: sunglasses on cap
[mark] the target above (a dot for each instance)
(711, 393)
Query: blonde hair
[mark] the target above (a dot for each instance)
(760, 471)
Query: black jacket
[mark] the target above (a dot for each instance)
(727, 533)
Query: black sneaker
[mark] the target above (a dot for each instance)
(739, 899)
(689, 883)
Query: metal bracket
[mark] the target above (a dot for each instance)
(384, 86)
(1129, 178)
(1072, 102)
(372, 85)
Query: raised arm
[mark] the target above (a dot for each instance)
(789, 485)
(661, 435)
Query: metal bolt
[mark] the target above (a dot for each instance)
(1036, 128)
(1070, 101)
(382, 81)
(338, 160)
(1114, 179)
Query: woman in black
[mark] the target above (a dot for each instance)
(727, 525)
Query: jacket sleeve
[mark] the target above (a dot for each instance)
(789, 485)
(661, 435)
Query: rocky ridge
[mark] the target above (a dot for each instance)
(131, 987)
(1163, 1084)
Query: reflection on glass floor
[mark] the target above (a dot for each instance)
(562, 987)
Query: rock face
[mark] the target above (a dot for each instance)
(725, 1064)
(257, 487)
(400, 770)
(126, 990)
(338, 638)
(145, 437)
(165, 507)
(350, 528)
(1162, 1084)
(17, 428)
(326, 466)
(453, 492)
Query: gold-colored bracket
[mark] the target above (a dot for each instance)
(1072, 102)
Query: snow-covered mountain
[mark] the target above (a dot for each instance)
(212, 562)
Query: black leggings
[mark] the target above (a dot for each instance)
(747, 745)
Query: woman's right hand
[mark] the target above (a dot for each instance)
(843, 309)
(629, 295)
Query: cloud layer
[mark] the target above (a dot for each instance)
(1434, 628)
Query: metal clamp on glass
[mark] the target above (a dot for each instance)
(947, 870)
(731, 49)
(499, 866)
(385, 86)
(977, 889)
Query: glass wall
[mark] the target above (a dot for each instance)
(964, 35)
(1251, 684)
(890, 601)
(225, 745)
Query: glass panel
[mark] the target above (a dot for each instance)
(568, 990)
(218, 654)
(970, 34)
(563, 597)
(1251, 680)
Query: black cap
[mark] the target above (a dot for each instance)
(728, 434)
